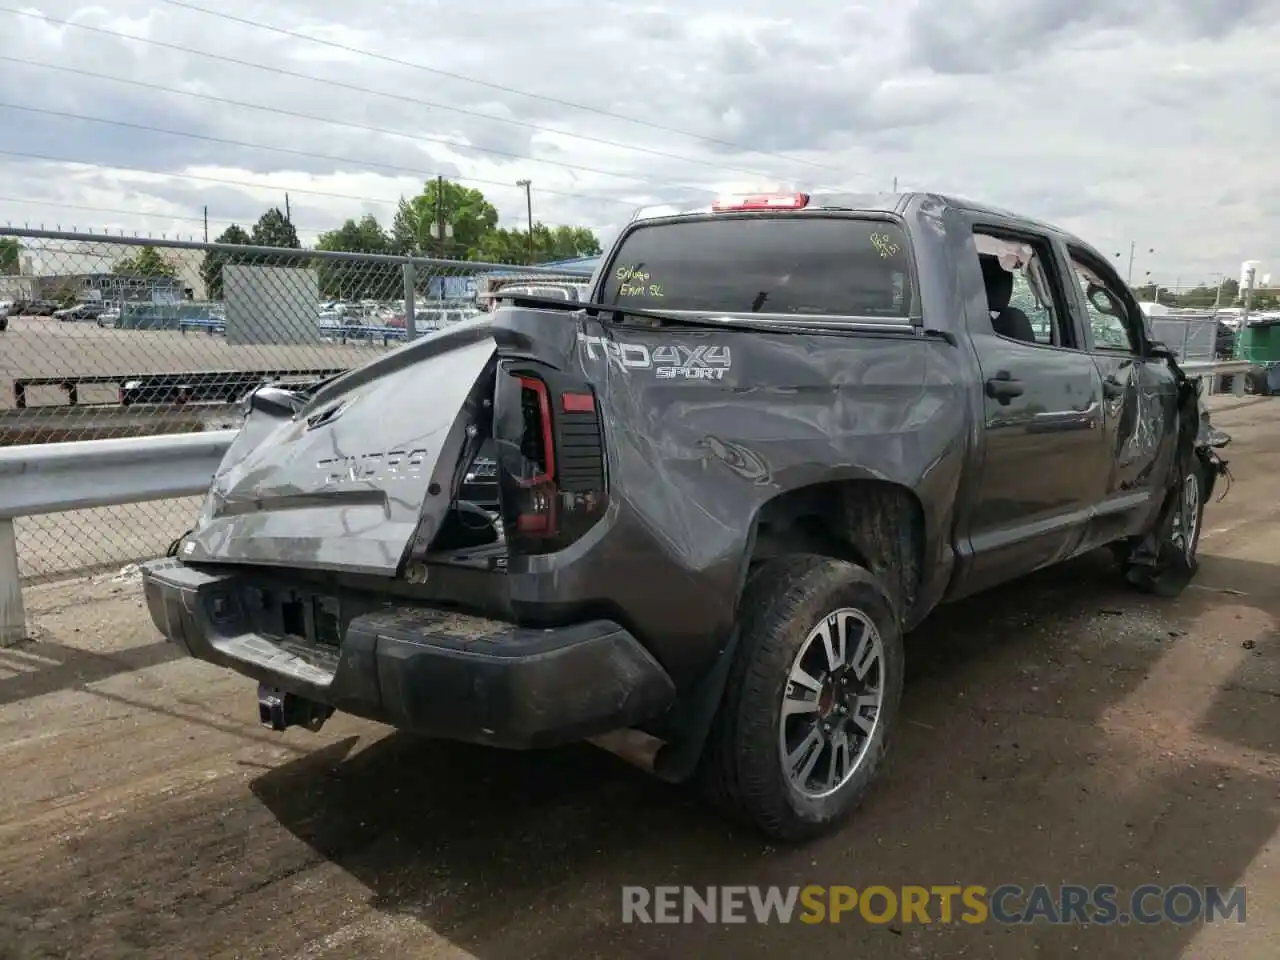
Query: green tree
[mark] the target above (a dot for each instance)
(356, 279)
(10, 255)
(470, 214)
(274, 229)
(214, 260)
(1200, 297)
(549, 243)
(570, 242)
(147, 262)
(363, 236)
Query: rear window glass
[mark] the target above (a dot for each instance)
(824, 266)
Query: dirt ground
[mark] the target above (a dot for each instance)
(1063, 731)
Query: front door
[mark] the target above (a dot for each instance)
(1139, 401)
(1044, 463)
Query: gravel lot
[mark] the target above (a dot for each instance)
(1066, 730)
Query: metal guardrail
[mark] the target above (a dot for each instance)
(1234, 369)
(57, 477)
(1204, 368)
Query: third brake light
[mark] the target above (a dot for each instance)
(762, 201)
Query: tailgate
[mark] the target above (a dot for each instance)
(368, 466)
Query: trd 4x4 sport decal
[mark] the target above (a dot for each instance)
(667, 361)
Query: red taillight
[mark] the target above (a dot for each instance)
(577, 403)
(762, 201)
(551, 466)
(544, 428)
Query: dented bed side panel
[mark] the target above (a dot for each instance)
(704, 427)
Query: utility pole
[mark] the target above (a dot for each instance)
(206, 224)
(439, 231)
(895, 184)
(288, 215)
(1133, 247)
(528, 206)
(1246, 293)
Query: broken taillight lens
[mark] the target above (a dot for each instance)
(551, 459)
(538, 439)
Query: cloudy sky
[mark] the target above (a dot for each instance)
(1146, 121)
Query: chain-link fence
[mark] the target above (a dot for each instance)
(116, 337)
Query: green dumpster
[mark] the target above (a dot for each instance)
(1259, 343)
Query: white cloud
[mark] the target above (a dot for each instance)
(1121, 120)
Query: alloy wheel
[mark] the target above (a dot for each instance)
(1187, 518)
(832, 703)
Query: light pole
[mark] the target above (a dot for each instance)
(1133, 246)
(528, 205)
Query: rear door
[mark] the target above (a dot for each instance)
(1139, 398)
(1044, 464)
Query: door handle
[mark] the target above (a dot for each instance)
(1058, 420)
(1112, 388)
(1003, 387)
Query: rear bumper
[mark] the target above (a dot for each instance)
(439, 674)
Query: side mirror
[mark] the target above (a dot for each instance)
(1160, 351)
(1102, 300)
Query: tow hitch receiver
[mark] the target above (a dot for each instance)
(280, 710)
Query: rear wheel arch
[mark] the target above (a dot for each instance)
(877, 524)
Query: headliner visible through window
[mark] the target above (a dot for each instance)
(805, 265)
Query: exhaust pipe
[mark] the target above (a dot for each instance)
(634, 746)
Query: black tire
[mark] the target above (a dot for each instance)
(1178, 560)
(742, 769)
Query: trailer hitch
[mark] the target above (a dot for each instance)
(280, 710)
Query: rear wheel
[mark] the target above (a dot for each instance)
(812, 698)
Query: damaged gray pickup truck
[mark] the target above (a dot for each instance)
(780, 432)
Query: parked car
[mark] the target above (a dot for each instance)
(780, 432)
(505, 288)
(81, 311)
(6, 310)
(34, 308)
(431, 318)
